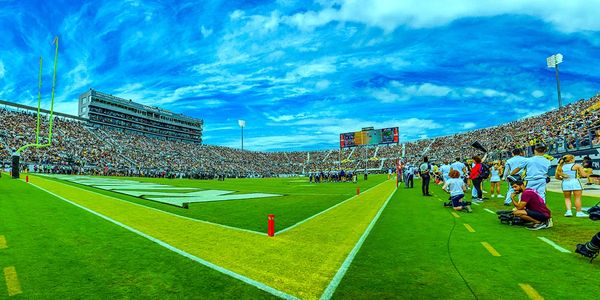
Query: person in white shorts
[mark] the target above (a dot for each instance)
(495, 179)
(567, 171)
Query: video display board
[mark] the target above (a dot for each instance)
(369, 137)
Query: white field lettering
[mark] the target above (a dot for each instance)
(160, 192)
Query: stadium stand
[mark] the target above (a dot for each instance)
(78, 147)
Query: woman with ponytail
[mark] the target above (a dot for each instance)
(567, 171)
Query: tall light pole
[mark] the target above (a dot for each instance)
(242, 124)
(553, 62)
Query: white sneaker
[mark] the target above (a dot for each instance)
(581, 214)
(549, 223)
(500, 196)
(568, 213)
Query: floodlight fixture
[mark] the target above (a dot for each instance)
(553, 62)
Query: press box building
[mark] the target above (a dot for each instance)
(107, 110)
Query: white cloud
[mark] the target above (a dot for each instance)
(396, 91)
(468, 125)
(285, 118)
(2, 70)
(237, 14)
(322, 84)
(537, 94)
(568, 16)
(316, 68)
(206, 32)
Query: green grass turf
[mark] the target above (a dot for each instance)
(61, 251)
(300, 201)
(300, 261)
(406, 255)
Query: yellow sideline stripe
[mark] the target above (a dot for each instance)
(531, 292)
(3, 244)
(300, 262)
(455, 215)
(12, 282)
(490, 249)
(469, 228)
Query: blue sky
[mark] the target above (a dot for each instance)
(301, 72)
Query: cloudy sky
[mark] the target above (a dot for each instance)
(301, 72)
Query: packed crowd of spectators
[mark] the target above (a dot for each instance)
(78, 147)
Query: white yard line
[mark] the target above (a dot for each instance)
(553, 244)
(322, 212)
(348, 261)
(490, 211)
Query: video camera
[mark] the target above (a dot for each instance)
(591, 248)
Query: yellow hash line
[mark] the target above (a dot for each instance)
(531, 292)
(455, 215)
(469, 228)
(12, 282)
(490, 249)
(3, 244)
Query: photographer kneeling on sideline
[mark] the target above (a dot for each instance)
(531, 208)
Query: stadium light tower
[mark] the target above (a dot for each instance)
(553, 62)
(242, 124)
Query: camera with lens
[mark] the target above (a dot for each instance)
(591, 248)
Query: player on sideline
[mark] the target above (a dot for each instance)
(460, 167)
(536, 170)
(445, 169)
(516, 160)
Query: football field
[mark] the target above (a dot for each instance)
(98, 237)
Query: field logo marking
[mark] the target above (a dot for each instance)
(163, 211)
(469, 228)
(208, 264)
(160, 192)
(553, 244)
(12, 282)
(3, 244)
(531, 292)
(490, 249)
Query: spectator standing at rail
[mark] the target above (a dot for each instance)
(425, 173)
(536, 170)
(567, 171)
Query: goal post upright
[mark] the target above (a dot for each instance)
(17, 154)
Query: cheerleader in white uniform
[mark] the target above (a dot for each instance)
(495, 179)
(567, 171)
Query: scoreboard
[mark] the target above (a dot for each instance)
(369, 137)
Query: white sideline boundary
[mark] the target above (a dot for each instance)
(162, 211)
(208, 264)
(553, 244)
(324, 211)
(490, 211)
(328, 293)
